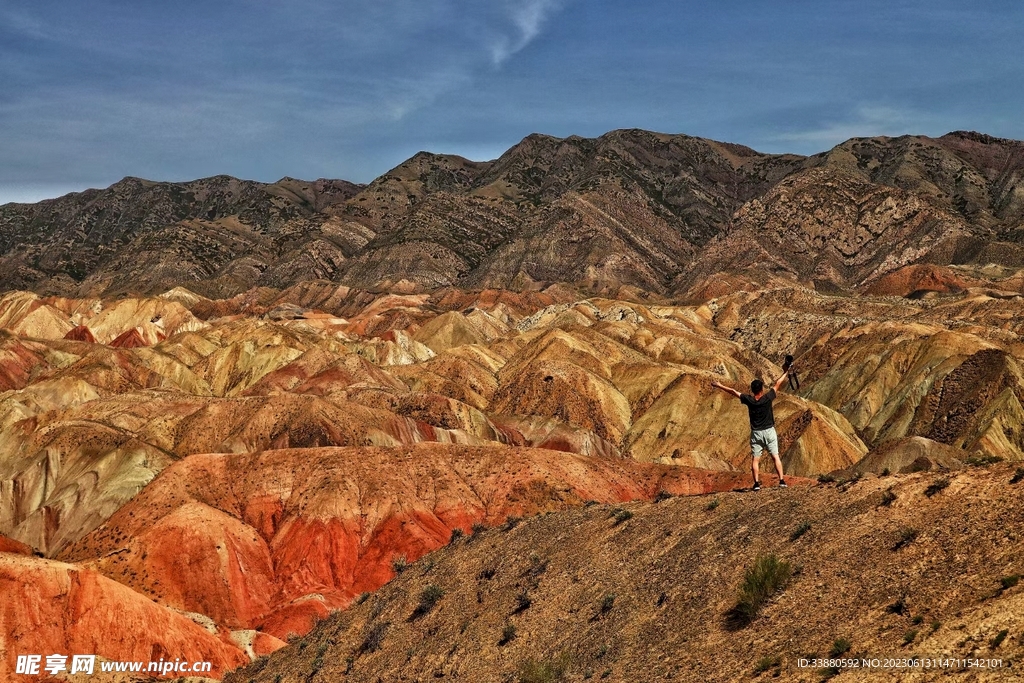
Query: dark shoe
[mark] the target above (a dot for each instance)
(757, 486)
(782, 484)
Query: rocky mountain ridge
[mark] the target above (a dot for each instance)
(654, 211)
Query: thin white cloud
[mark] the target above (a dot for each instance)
(528, 18)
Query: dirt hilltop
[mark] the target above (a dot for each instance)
(917, 564)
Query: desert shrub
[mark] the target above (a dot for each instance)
(361, 598)
(511, 522)
(840, 646)
(457, 533)
(1008, 582)
(400, 564)
(1018, 476)
(662, 495)
(523, 602)
(508, 634)
(983, 460)
(998, 639)
(826, 478)
(621, 516)
(904, 537)
(918, 620)
(936, 486)
(898, 607)
(767, 662)
(429, 597)
(373, 638)
(714, 503)
(802, 529)
(763, 579)
(607, 603)
(478, 528)
(888, 496)
(936, 625)
(909, 636)
(486, 574)
(543, 671)
(885, 472)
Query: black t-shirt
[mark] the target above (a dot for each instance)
(760, 409)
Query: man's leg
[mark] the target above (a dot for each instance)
(755, 457)
(773, 448)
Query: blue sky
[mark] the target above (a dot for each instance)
(94, 91)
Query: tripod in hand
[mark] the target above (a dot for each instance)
(794, 380)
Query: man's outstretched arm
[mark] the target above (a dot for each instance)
(728, 390)
(780, 381)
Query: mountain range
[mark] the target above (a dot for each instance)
(656, 212)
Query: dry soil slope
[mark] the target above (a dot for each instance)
(645, 598)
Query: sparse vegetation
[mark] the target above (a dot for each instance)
(840, 646)
(998, 639)
(904, 537)
(898, 607)
(523, 602)
(478, 528)
(802, 529)
(511, 522)
(909, 636)
(826, 478)
(400, 564)
(361, 598)
(543, 671)
(767, 662)
(917, 621)
(888, 497)
(621, 516)
(936, 625)
(936, 486)
(486, 574)
(428, 598)
(982, 460)
(712, 504)
(762, 580)
(373, 637)
(885, 472)
(607, 603)
(508, 634)
(1018, 476)
(1008, 582)
(457, 533)
(662, 495)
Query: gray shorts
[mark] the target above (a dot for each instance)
(761, 439)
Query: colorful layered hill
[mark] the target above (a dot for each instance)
(247, 466)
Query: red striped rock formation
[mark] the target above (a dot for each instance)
(53, 607)
(275, 540)
(80, 333)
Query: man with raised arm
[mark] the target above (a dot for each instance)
(762, 423)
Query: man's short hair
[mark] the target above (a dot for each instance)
(756, 386)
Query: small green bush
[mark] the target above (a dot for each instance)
(1018, 476)
(400, 564)
(486, 574)
(826, 479)
(840, 646)
(511, 522)
(763, 579)
(1008, 582)
(909, 636)
(543, 671)
(428, 598)
(508, 634)
(898, 607)
(936, 486)
(523, 602)
(457, 533)
(714, 503)
(904, 537)
(621, 516)
(888, 496)
(999, 638)
(607, 603)
(374, 637)
(767, 662)
(802, 529)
